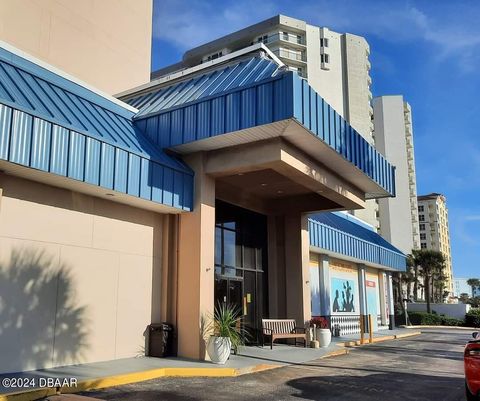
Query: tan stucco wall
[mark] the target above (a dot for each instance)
(75, 276)
(105, 43)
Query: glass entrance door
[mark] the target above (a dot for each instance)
(240, 263)
(228, 291)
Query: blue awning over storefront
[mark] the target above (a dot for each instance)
(55, 125)
(335, 233)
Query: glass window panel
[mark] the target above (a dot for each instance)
(229, 247)
(238, 256)
(249, 257)
(221, 291)
(259, 261)
(230, 224)
(218, 245)
(229, 271)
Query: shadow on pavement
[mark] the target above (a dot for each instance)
(381, 386)
(142, 395)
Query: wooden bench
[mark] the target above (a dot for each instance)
(282, 328)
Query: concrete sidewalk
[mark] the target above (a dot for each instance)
(130, 370)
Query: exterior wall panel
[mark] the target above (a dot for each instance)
(121, 170)
(20, 140)
(41, 142)
(134, 175)
(76, 160)
(92, 161)
(59, 153)
(5, 127)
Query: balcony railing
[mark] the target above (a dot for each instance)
(286, 37)
(291, 55)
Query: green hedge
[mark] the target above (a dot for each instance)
(424, 318)
(472, 318)
(429, 319)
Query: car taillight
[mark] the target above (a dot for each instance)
(472, 350)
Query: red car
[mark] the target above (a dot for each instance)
(471, 359)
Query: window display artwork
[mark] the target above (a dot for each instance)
(343, 295)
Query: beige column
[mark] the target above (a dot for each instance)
(297, 265)
(196, 264)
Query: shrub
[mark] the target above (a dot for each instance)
(424, 318)
(429, 319)
(450, 321)
(472, 318)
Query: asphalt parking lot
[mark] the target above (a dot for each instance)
(425, 367)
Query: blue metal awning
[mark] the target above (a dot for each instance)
(238, 75)
(336, 233)
(55, 125)
(255, 92)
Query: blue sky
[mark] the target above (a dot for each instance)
(429, 51)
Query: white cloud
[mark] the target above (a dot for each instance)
(187, 24)
(451, 27)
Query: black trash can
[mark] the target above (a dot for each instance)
(160, 340)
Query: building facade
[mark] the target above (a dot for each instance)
(336, 66)
(350, 272)
(394, 138)
(192, 189)
(104, 43)
(434, 230)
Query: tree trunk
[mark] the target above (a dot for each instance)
(427, 293)
(415, 284)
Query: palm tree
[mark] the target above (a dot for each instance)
(411, 262)
(410, 276)
(474, 283)
(429, 263)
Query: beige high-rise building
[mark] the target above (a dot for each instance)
(106, 43)
(394, 138)
(434, 232)
(336, 65)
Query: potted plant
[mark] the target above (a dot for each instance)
(324, 335)
(226, 333)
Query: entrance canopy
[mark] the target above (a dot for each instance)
(250, 103)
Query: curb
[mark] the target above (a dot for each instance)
(442, 327)
(135, 377)
(339, 352)
(357, 343)
(118, 380)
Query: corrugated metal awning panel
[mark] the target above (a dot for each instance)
(39, 92)
(238, 75)
(39, 144)
(337, 234)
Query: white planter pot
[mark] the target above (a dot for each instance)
(218, 349)
(324, 337)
